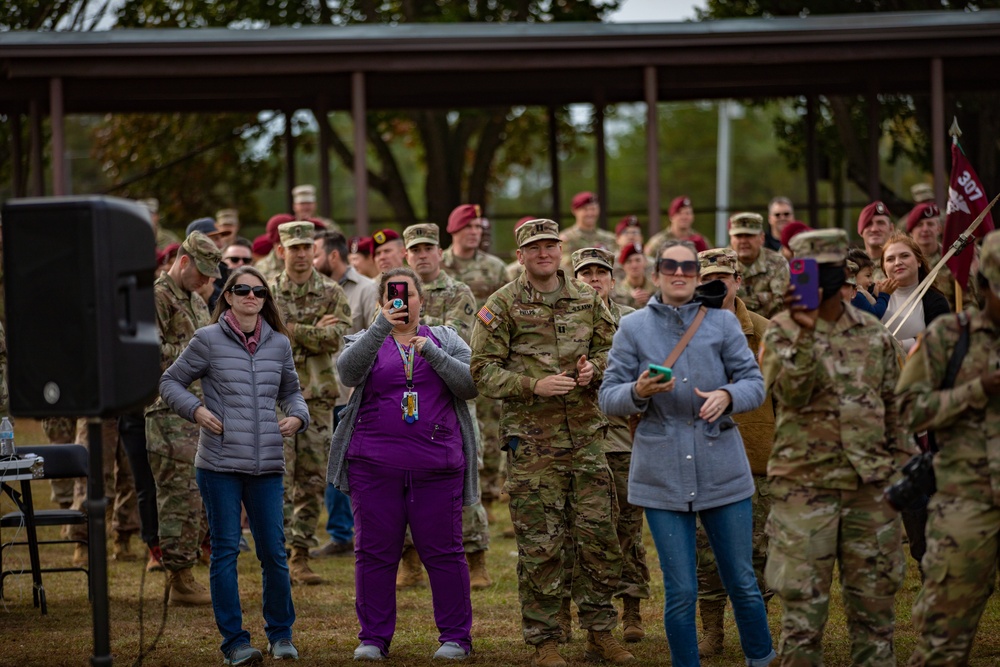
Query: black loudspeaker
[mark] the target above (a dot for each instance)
(80, 317)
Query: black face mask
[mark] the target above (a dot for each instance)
(831, 279)
(711, 294)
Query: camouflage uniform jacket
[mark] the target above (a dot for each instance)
(178, 315)
(966, 421)
(313, 347)
(513, 270)
(765, 282)
(619, 437)
(270, 265)
(527, 339)
(483, 273)
(834, 395)
(448, 302)
(575, 239)
(622, 293)
(944, 282)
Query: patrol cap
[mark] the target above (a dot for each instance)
(383, 236)
(628, 251)
(425, 232)
(718, 260)
(463, 216)
(869, 212)
(920, 212)
(826, 246)
(296, 233)
(227, 217)
(677, 204)
(303, 194)
(746, 223)
(537, 230)
(625, 223)
(204, 252)
(587, 256)
(581, 199)
(989, 259)
(922, 192)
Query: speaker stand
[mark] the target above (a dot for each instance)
(97, 546)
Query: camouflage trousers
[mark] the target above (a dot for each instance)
(959, 572)
(710, 588)
(561, 504)
(171, 444)
(119, 489)
(635, 572)
(811, 530)
(60, 431)
(490, 477)
(306, 456)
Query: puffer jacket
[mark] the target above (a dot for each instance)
(241, 390)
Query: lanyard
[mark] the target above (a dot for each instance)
(406, 354)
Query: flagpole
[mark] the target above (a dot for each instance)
(955, 132)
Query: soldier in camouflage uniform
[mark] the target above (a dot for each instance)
(757, 429)
(60, 431)
(832, 373)
(595, 267)
(316, 311)
(635, 287)
(484, 274)
(964, 515)
(271, 265)
(451, 303)
(540, 346)
(172, 441)
(874, 228)
(585, 232)
(681, 215)
(923, 223)
(764, 272)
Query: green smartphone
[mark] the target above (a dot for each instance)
(663, 372)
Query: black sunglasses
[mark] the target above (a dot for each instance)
(238, 260)
(242, 290)
(668, 267)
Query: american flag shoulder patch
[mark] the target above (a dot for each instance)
(486, 316)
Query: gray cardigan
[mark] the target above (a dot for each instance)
(680, 462)
(450, 361)
(241, 391)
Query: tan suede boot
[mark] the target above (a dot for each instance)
(185, 591)
(299, 570)
(565, 619)
(123, 549)
(602, 645)
(479, 578)
(547, 655)
(712, 635)
(80, 555)
(411, 571)
(631, 620)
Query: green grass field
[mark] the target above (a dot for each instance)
(326, 626)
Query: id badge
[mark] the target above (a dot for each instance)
(410, 408)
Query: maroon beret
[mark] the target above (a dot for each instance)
(524, 220)
(272, 225)
(628, 251)
(262, 245)
(581, 199)
(677, 204)
(165, 254)
(463, 216)
(923, 211)
(792, 229)
(383, 236)
(869, 212)
(627, 221)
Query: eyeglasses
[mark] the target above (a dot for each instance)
(668, 267)
(238, 260)
(243, 290)
(782, 214)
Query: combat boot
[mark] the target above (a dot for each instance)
(184, 590)
(565, 620)
(411, 571)
(602, 645)
(547, 655)
(479, 578)
(80, 555)
(712, 635)
(299, 570)
(631, 620)
(123, 549)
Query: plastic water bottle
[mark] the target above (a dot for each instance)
(6, 438)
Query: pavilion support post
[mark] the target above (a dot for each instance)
(56, 119)
(359, 111)
(874, 134)
(602, 159)
(289, 157)
(812, 160)
(938, 139)
(37, 163)
(325, 187)
(554, 164)
(17, 185)
(651, 90)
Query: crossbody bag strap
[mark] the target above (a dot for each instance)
(686, 338)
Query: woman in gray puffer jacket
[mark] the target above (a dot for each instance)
(244, 362)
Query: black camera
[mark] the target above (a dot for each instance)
(916, 486)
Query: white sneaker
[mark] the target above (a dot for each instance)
(451, 651)
(368, 652)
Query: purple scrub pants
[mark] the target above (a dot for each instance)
(384, 501)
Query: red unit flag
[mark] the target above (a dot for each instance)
(966, 200)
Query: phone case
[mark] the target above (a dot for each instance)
(394, 292)
(805, 281)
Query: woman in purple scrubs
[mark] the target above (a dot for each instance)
(405, 452)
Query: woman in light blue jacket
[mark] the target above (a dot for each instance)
(688, 459)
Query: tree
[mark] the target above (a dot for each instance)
(842, 132)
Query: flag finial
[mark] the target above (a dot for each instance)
(954, 130)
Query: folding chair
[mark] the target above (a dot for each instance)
(60, 462)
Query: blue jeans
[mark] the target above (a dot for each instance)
(730, 532)
(262, 495)
(340, 521)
